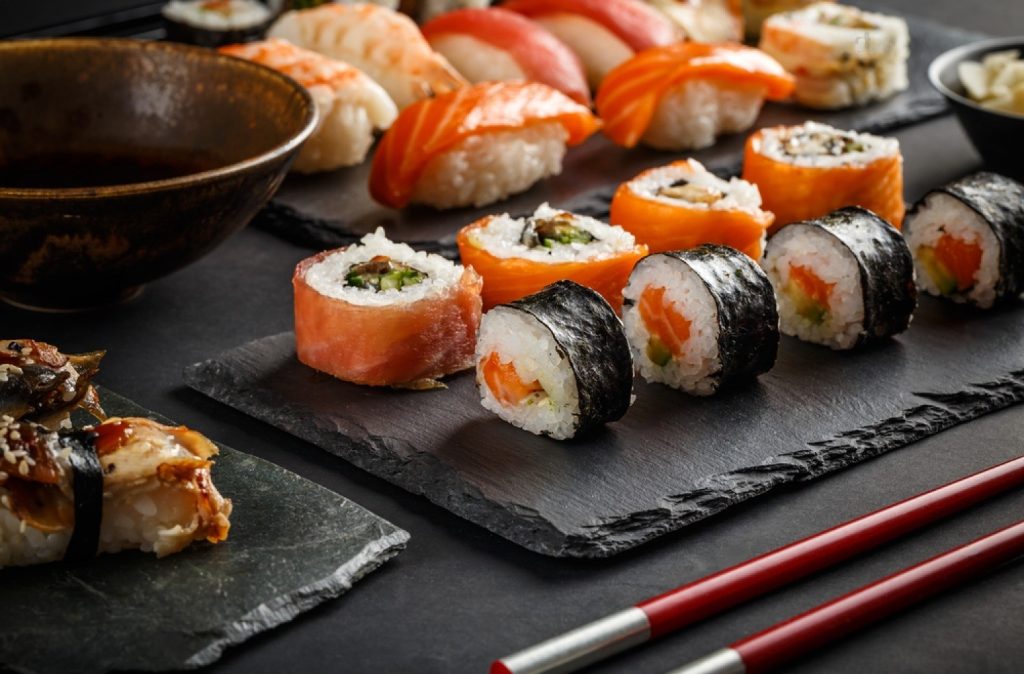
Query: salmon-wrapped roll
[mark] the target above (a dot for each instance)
(126, 484)
(810, 170)
(39, 383)
(381, 314)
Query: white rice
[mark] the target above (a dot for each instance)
(832, 262)
(236, 15)
(489, 167)
(696, 370)
(808, 145)
(737, 194)
(941, 214)
(22, 545)
(521, 339)
(692, 115)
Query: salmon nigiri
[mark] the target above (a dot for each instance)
(477, 145)
(681, 97)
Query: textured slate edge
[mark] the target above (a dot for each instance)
(423, 474)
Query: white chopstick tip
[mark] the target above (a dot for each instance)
(725, 661)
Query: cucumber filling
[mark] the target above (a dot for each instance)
(806, 306)
(657, 352)
(551, 232)
(943, 279)
(381, 273)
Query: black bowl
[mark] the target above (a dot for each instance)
(998, 136)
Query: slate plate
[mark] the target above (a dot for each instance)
(671, 461)
(293, 544)
(334, 209)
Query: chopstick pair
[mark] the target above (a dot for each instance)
(701, 599)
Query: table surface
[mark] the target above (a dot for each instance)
(459, 596)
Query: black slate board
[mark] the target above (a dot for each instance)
(293, 544)
(335, 209)
(671, 461)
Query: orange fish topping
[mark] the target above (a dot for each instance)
(662, 320)
(505, 383)
(959, 257)
(812, 288)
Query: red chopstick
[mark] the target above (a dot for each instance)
(765, 651)
(715, 594)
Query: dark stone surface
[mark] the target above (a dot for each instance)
(293, 545)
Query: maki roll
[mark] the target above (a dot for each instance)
(126, 484)
(843, 280)
(351, 105)
(39, 383)
(555, 363)
(683, 96)
(381, 314)
(705, 20)
(683, 205)
(477, 145)
(841, 56)
(212, 23)
(810, 170)
(519, 256)
(701, 319)
(968, 240)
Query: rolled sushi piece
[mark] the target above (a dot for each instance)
(497, 45)
(841, 56)
(683, 205)
(212, 23)
(705, 20)
(683, 96)
(702, 319)
(351, 105)
(382, 314)
(843, 280)
(38, 383)
(383, 43)
(810, 170)
(126, 484)
(555, 363)
(477, 145)
(603, 33)
(967, 239)
(520, 256)
(755, 12)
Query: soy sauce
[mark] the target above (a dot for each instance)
(101, 169)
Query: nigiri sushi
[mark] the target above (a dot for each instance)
(705, 20)
(681, 97)
(382, 43)
(604, 33)
(477, 145)
(496, 45)
(425, 10)
(351, 105)
(39, 383)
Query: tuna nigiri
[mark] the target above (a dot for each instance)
(682, 96)
(495, 45)
(477, 145)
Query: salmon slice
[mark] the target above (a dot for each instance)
(505, 383)
(811, 295)
(668, 328)
(952, 263)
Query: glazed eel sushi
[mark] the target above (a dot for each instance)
(39, 383)
(555, 363)
(843, 280)
(968, 240)
(701, 319)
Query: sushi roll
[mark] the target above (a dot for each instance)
(382, 43)
(555, 363)
(126, 484)
(841, 56)
(810, 170)
(683, 205)
(381, 314)
(603, 33)
(477, 145)
(351, 105)
(519, 256)
(212, 23)
(968, 240)
(843, 280)
(705, 20)
(498, 45)
(756, 12)
(38, 383)
(702, 319)
(682, 97)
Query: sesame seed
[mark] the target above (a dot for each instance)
(23, 468)
(15, 435)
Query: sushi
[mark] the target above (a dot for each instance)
(38, 383)
(477, 145)
(126, 484)
(426, 10)
(519, 256)
(498, 45)
(681, 97)
(555, 363)
(351, 105)
(211, 23)
(705, 20)
(755, 12)
(843, 280)
(968, 240)
(604, 33)
(683, 205)
(381, 314)
(841, 56)
(382, 43)
(702, 319)
(810, 170)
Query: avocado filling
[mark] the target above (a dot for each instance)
(382, 273)
(657, 352)
(806, 306)
(549, 232)
(694, 194)
(942, 277)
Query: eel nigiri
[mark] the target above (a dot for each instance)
(682, 96)
(705, 20)
(498, 45)
(41, 384)
(477, 145)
